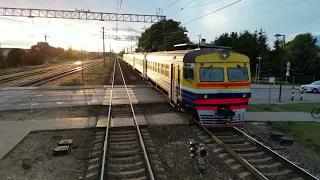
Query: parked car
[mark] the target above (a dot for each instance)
(313, 87)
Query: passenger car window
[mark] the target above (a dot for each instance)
(188, 74)
(237, 74)
(211, 74)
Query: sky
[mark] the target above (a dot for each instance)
(287, 17)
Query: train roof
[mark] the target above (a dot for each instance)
(191, 56)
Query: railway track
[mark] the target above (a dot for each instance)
(249, 157)
(124, 151)
(43, 80)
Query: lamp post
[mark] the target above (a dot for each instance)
(199, 40)
(282, 55)
(145, 39)
(259, 58)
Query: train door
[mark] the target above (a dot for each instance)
(178, 83)
(145, 66)
(173, 86)
(133, 62)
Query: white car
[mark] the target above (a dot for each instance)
(313, 87)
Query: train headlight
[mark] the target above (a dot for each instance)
(244, 95)
(224, 54)
(205, 96)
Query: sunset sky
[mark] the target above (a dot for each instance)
(288, 17)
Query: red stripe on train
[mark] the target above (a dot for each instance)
(215, 108)
(222, 101)
(239, 107)
(222, 84)
(206, 108)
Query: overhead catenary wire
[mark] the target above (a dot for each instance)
(289, 5)
(200, 17)
(212, 12)
(182, 7)
(171, 4)
(250, 6)
(13, 20)
(203, 4)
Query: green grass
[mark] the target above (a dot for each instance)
(306, 133)
(300, 107)
(100, 70)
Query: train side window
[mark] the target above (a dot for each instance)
(188, 74)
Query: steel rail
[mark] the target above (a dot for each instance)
(57, 76)
(292, 166)
(242, 161)
(105, 145)
(151, 177)
(51, 78)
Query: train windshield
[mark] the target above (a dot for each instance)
(211, 74)
(238, 74)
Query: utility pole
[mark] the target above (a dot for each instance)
(104, 54)
(110, 52)
(82, 67)
(259, 58)
(199, 40)
(281, 65)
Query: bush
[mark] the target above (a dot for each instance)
(34, 58)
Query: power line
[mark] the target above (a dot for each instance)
(212, 12)
(13, 20)
(200, 17)
(254, 5)
(170, 5)
(204, 4)
(182, 7)
(283, 7)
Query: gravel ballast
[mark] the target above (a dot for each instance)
(172, 141)
(297, 153)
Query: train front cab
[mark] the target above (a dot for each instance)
(216, 83)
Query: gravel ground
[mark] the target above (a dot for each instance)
(172, 145)
(32, 158)
(297, 153)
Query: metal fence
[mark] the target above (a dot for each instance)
(294, 80)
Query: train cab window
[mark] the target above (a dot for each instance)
(211, 74)
(238, 74)
(188, 74)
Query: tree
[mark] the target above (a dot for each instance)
(16, 57)
(2, 59)
(250, 44)
(121, 53)
(163, 36)
(303, 54)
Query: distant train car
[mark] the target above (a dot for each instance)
(213, 82)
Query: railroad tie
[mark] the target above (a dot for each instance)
(281, 173)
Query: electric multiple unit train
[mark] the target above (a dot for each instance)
(213, 82)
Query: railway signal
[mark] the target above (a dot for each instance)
(193, 148)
